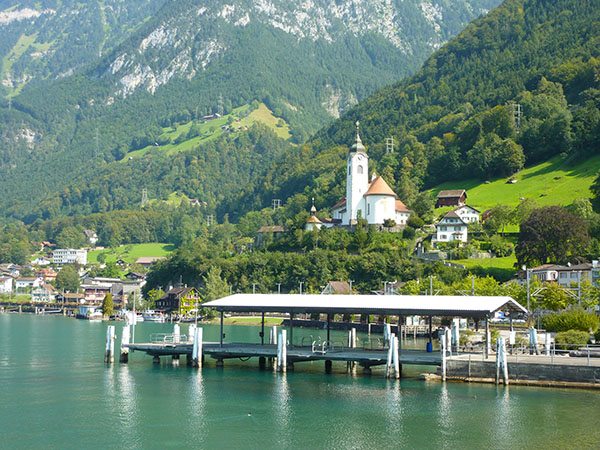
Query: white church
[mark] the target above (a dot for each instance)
(372, 200)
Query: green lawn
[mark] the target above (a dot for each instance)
(211, 130)
(506, 262)
(131, 252)
(550, 183)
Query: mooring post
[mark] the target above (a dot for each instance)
(291, 329)
(533, 341)
(282, 351)
(501, 361)
(124, 358)
(443, 351)
(197, 349)
(191, 333)
(455, 335)
(388, 366)
(328, 327)
(109, 354)
(396, 358)
(328, 366)
(176, 333)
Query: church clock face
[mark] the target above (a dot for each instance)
(360, 158)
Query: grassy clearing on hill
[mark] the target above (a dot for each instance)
(553, 182)
(131, 252)
(238, 120)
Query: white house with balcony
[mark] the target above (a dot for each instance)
(372, 200)
(451, 228)
(6, 285)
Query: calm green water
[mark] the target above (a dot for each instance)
(55, 392)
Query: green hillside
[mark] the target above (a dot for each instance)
(131, 252)
(553, 182)
(189, 135)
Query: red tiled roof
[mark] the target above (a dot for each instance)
(379, 187)
(401, 207)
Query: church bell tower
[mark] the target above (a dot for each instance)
(357, 180)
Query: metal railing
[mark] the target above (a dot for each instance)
(168, 338)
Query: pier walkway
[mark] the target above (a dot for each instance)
(364, 357)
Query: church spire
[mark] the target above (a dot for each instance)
(358, 145)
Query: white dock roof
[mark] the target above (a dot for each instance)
(424, 305)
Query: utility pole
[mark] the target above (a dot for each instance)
(144, 197)
(276, 203)
(473, 285)
(430, 284)
(279, 288)
(301, 283)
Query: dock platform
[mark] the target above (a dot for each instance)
(364, 357)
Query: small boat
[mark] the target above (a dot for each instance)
(153, 316)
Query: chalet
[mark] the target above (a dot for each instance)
(180, 300)
(451, 228)
(337, 287)
(45, 293)
(454, 197)
(373, 200)
(148, 261)
(6, 285)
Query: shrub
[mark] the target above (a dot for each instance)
(408, 233)
(415, 221)
(574, 319)
(566, 340)
(597, 337)
(501, 247)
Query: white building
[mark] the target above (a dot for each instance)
(69, 256)
(6, 285)
(467, 214)
(451, 228)
(26, 284)
(91, 237)
(372, 200)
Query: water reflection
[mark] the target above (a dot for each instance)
(393, 409)
(445, 419)
(503, 426)
(198, 427)
(282, 410)
(120, 392)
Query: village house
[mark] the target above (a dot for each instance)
(451, 228)
(70, 297)
(6, 285)
(63, 256)
(180, 300)
(24, 285)
(44, 293)
(268, 233)
(148, 261)
(372, 200)
(93, 294)
(41, 261)
(467, 214)
(47, 274)
(454, 197)
(10, 270)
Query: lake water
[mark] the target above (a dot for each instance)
(56, 392)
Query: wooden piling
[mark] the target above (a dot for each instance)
(176, 333)
(443, 343)
(396, 358)
(328, 366)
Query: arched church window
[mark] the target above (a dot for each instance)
(359, 170)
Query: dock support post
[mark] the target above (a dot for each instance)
(262, 362)
(291, 329)
(221, 335)
(488, 344)
(124, 358)
(176, 333)
(396, 358)
(156, 359)
(328, 366)
(282, 351)
(328, 327)
(272, 341)
(219, 362)
(443, 351)
(533, 341)
(175, 360)
(262, 328)
(109, 354)
(197, 349)
(501, 362)
(455, 335)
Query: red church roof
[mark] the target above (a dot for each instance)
(379, 187)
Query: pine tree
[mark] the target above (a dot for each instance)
(107, 305)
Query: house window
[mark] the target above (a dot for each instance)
(359, 170)
(442, 237)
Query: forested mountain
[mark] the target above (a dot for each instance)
(88, 82)
(459, 118)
